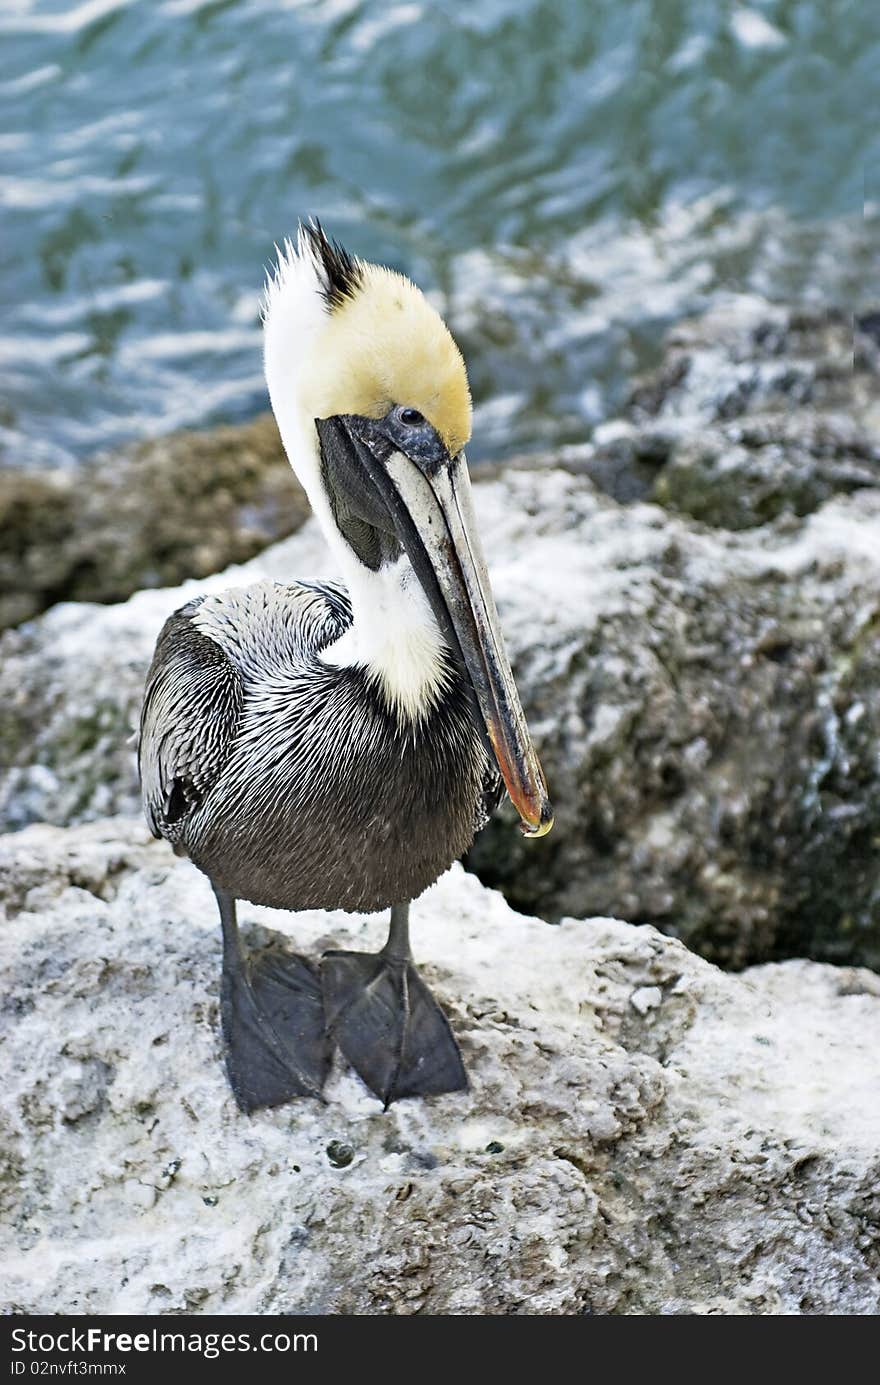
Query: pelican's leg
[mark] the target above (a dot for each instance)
(387, 1023)
(272, 1016)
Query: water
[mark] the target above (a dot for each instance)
(566, 178)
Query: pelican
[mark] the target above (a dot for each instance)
(320, 745)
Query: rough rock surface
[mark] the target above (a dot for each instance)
(643, 1133)
(152, 515)
(746, 356)
(712, 735)
(757, 411)
(707, 707)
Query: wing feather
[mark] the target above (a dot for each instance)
(190, 714)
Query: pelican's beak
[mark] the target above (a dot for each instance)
(431, 507)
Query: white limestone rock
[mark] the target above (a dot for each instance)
(643, 1133)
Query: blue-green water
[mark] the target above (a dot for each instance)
(566, 177)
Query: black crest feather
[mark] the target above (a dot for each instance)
(343, 274)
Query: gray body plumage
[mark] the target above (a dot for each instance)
(292, 782)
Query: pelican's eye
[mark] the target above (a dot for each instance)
(411, 418)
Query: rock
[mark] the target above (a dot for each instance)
(643, 1134)
(152, 515)
(756, 412)
(709, 715)
(748, 473)
(35, 528)
(745, 356)
(707, 707)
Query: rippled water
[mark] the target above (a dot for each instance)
(566, 177)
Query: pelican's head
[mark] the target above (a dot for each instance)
(372, 401)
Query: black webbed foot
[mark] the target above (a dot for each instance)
(389, 1026)
(274, 1032)
(272, 1017)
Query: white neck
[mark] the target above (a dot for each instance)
(395, 637)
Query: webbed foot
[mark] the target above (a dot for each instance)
(274, 1031)
(389, 1026)
(272, 1018)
